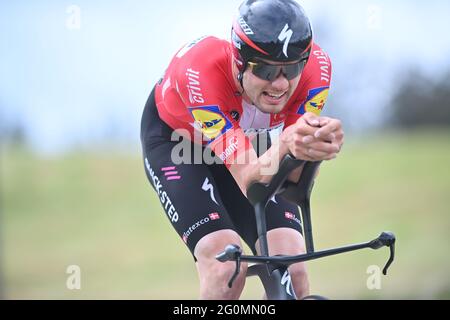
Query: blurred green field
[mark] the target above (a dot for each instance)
(97, 211)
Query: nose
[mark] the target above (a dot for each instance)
(280, 83)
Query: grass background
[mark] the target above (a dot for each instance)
(97, 211)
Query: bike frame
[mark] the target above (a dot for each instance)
(273, 270)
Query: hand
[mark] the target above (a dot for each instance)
(314, 138)
(330, 131)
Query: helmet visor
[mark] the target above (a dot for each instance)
(270, 72)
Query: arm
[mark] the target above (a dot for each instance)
(297, 139)
(248, 168)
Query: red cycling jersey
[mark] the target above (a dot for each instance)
(198, 94)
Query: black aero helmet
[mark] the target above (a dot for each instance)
(277, 30)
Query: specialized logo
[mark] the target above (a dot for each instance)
(315, 101)
(286, 281)
(286, 35)
(163, 197)
(209, 187)
(235, 115)
(211, 121)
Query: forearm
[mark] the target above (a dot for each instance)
(311, 139)
(250, 168)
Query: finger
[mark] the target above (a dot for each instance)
(313, 122)
(326, 130)
(331, 157)
(321, 156)
(324, 121)
(329, 138)
(305, 129)
(301, 153)
(339, 135)
(324, 147)
(308, 139)
(311, 119)
(332, 126)
(318, 155)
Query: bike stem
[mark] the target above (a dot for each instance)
(300, 194)
(260, 194)
(261, 227)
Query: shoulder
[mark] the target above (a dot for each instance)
(202, 71)
(199, 76)
(202, 49)
(318, 69)
(200, 56)
(206, 57)
(312, 91)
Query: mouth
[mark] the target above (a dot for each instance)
(274, 98)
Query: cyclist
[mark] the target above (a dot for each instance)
(271, 80)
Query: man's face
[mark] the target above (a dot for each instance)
(269, 96)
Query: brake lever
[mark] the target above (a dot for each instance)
(391, 258)
(236, 272)
(385, 239)
(232, 252)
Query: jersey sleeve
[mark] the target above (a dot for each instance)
(314, 86)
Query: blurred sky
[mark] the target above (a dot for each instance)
(79, 73)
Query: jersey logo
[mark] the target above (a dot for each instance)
(211, 121)
(209, 187)
(286, 281)
(235, 115)
(286, 35)
(315, 101)
(277, 129)
(245, 27)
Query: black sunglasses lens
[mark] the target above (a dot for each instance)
(271, 72)
(292, 70)
(266, 71)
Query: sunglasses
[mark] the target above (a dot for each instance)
(270, 72)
